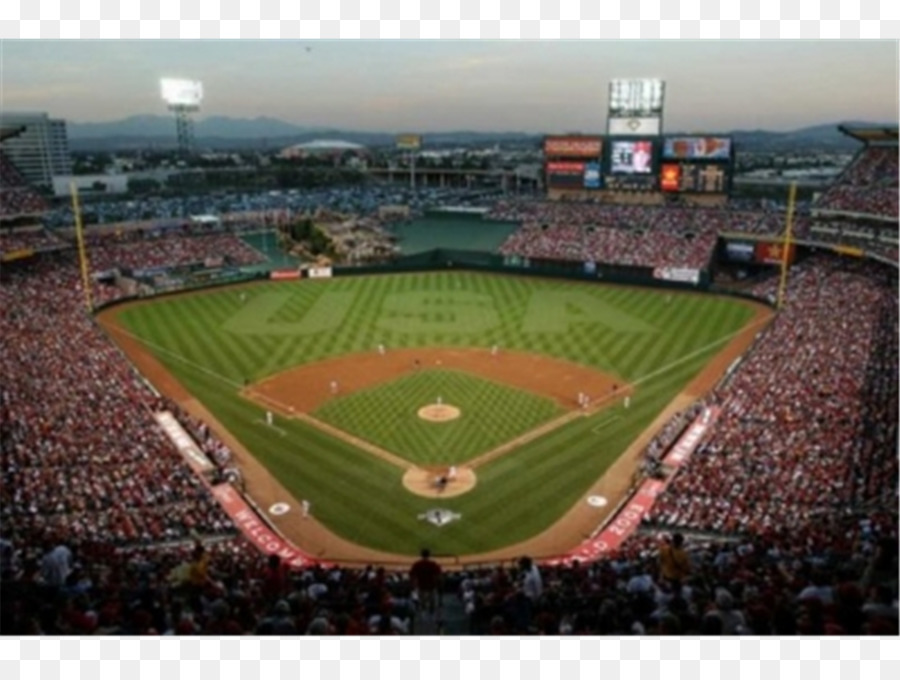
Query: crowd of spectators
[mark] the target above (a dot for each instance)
(623, 235)
(809, 421)
(16, 196)
(869, 185)
(171, 250)
(30, 238)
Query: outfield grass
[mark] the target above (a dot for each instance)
(387, 415)
(212, 341)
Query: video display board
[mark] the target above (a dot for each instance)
(631, 157)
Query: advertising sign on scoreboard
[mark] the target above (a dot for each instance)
(670, 177)
(631, 157)
(631, 126)
(573, 147)
(565, 174)
(697, 148)
(591, 175)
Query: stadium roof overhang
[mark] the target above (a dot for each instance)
(8, 131)
(868, 135)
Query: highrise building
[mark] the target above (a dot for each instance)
(41, 150)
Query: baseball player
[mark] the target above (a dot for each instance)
(381, 349)
(627, 401)
(494, 350)
(270, 419)
(304, 508)
(451, 473)
(334, 387)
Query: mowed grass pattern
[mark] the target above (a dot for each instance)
(655, 339)
(387, 415)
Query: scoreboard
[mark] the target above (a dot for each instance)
(698, 164)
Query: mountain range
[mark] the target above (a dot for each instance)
(223, 132)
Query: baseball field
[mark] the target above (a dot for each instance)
(378, 385)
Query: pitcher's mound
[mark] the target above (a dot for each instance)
(439, 413)
(423, 482)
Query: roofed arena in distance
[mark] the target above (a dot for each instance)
(612, 388)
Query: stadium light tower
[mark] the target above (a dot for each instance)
(183, 98)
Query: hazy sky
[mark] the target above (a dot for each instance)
(453, 85)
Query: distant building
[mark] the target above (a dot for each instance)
(41, 150)
(320, 147)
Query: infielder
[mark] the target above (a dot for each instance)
(334, 387)
(494, 350)
(381, 349)
(451, 473)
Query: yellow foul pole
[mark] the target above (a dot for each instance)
(785, 247)
(82, 253)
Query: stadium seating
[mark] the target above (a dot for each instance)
(868, 185)
(16, 196)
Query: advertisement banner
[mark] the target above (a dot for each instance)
(19, 254)
(573, 147)
(625, 523)
(697, 148)
(319, 272)
(408, 142)
(740, 251)
(266, 540)
(592, 176)
(773, 253)
(565, 168)
(681, 275)
(185, 444)
(848, 250)
(624, 127)
(628, 519)
(670, 177)
(691, 438)
(284, 274)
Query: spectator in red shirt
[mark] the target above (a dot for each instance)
(425, 577)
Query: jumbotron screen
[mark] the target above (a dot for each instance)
(702, 178)
(631, 157)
